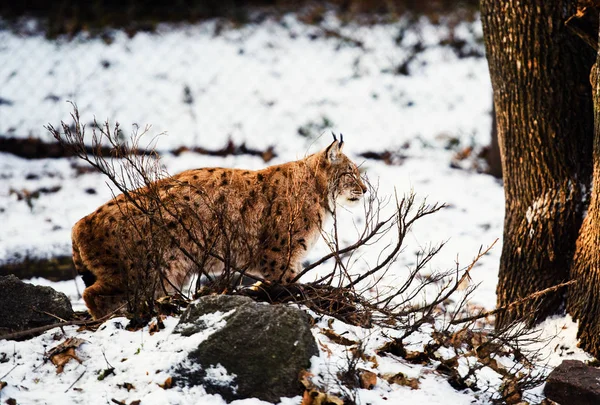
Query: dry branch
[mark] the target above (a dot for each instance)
(41, 329)
(537, 294)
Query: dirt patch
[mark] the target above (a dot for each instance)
(70, 17)
(33, 148)
(54, 269)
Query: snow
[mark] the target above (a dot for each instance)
(140, 359)
(257, 84)
(218, 375)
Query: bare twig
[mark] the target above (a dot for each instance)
(49, 314)
(75, 382)
(42, 329)
(9, 371)
(453, 288)
(158, 219)
(532, 296)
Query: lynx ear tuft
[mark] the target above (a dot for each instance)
(334, 150)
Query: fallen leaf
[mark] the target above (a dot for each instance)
(314, 397)
(304, 377)
(172, 304)
(167, 384)
(336, 338)
(368, 379)
(325, 348)
(64, 352)
(401, 379)
(60, 359)
(395, 347)
(359, 353)
(127, 386)
(511, 392)
(157, 325)
(416, 357)
(69, 343)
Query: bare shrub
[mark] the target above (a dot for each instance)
(155, 218)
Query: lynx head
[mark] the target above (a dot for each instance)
(345, 185)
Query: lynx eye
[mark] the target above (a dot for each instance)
(348, 176)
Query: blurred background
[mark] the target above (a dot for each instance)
(161, 63)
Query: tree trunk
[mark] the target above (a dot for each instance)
(584, 296)
(492, 156)
(542, 96)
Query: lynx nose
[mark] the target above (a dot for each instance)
(364, 188)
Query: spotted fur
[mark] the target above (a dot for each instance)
(206, 220)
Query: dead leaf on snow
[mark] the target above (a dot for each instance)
(511, 392)
(368, 379)
(358, 352)
(69, 343)
(167, 384)
(325, 348)
(337, 338)
(157, 324)
(304, 377)
(314, 397)
(135, 402)
(60, 359)
(127, 386)
(64, 352)
(401, 379)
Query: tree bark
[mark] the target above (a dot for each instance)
(584, 296)
(542, 97)
(492, 156)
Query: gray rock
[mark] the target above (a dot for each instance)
(574, 383)
(191, 322)
(21, 305)
(262, 349)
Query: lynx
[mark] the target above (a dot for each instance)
(210, 221)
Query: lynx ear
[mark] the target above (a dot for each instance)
(334, 150)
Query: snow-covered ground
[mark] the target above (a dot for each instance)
(262, 85)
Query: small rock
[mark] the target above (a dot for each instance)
(25, 306)
(574, 383)
(259, 353)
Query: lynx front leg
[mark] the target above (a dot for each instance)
(101, 300)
